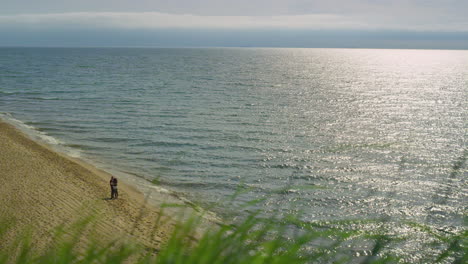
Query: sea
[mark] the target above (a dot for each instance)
(328, 134)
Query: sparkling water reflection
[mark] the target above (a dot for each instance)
(332, 133)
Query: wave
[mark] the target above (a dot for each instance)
(29, 95)
(45, 98)
(20, 93)
(83, 147)
(168, 144)
(199, 185)
(39, 135)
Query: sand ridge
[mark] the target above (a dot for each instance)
(42, 189)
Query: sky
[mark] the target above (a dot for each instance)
(244, 23)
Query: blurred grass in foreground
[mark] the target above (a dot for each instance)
(255, 240)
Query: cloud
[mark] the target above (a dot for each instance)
(156, 20)
(398, 8)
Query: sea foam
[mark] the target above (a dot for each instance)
(40, 136)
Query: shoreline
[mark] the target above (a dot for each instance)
(43, 188)
(155, 195)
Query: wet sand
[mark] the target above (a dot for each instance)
(42, 189)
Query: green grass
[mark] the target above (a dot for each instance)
(255, 240)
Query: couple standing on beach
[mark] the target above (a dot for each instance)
(114, 190)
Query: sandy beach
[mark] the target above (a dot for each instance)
(42, 189)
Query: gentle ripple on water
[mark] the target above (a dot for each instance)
(333, 133)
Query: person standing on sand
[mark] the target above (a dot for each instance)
(114, 190)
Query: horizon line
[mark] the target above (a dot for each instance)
(218, 47)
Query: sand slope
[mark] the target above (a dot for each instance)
(43, 189)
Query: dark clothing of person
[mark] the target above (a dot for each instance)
(114, 189)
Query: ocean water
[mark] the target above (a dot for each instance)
(333, 134)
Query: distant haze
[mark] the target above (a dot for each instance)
(302, 23)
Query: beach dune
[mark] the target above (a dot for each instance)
(42, 189)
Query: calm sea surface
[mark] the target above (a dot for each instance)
(332, 133)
